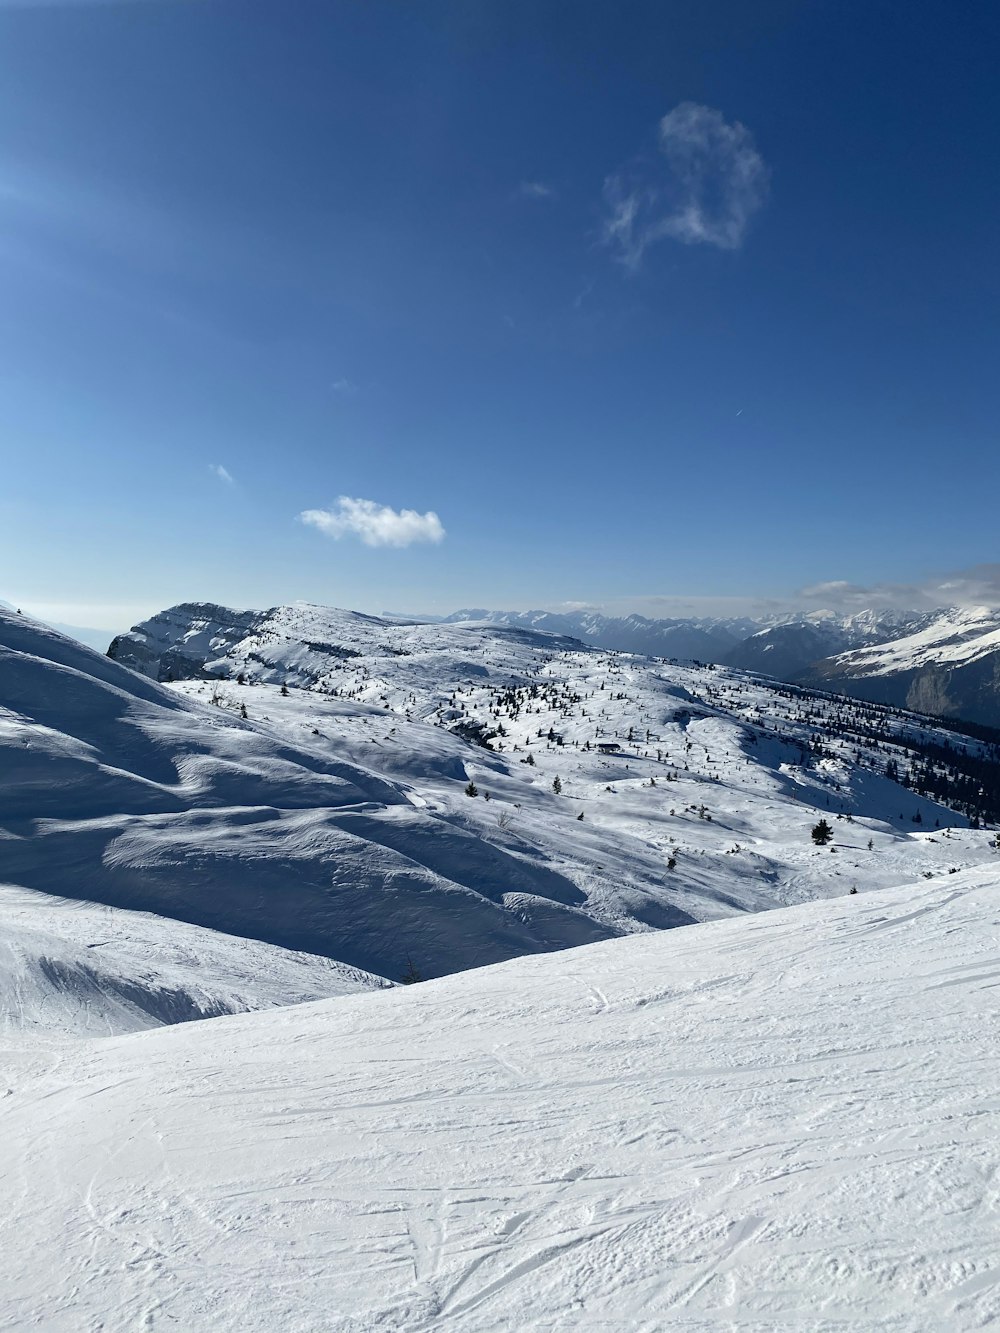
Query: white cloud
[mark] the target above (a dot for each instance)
(978, 586)
(375, 524)
(222, 473)
(702, 189)
(974, 587)
(344, 386)
(679, 606)
(536, 190)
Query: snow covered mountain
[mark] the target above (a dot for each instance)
(639, 748)
(948, 666)
(774, 1123)
(118, 791)
(750, 1122)
(937, 662)
(781, 644)
(704, 640)
(437, 797)
(788, 650)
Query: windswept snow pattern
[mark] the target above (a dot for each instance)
(116, 790)
(782, 1122)
(76, 969)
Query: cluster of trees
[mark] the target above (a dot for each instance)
(954, 763)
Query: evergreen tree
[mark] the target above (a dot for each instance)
(821, 833)
(412, 973)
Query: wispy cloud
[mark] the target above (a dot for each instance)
(680, 606)
(344, 385)
(978, 586)
(702, 188)
(217, 470)
(375, 524)
(536, 190)
(583, 293)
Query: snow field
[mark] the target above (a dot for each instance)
(787, 1121)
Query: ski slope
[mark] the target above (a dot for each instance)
(781, 1122)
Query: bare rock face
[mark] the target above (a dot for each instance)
(930, 692)
(179, 643)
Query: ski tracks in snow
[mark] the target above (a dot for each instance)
(465, 1262)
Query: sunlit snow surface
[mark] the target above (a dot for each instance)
(334, 819)
(951, 639)
(785, 1121)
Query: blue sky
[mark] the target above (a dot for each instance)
(392, 306)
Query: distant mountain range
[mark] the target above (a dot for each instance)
(693, 639)
(780, 645)
(943, 662)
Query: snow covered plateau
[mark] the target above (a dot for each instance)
(582, 1117)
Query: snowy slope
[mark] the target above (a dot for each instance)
(334, 819)
(787, 650)
(784, 1122)
(72, 969)
(952, 638)
(93, 638)
(116, 790)
(720, 772)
